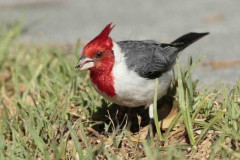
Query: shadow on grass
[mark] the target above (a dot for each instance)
(133, 118)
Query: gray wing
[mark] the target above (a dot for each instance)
(149, 58)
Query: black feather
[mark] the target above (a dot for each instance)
(187, 39)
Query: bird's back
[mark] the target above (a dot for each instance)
(148, 58)
(151, 59)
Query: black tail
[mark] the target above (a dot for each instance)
(187, 39)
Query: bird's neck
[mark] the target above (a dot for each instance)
(103, 79)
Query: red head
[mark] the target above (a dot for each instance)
(98, 54)
(98, 57)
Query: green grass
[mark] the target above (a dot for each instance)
(48, 110)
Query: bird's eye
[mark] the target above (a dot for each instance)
(99, 54)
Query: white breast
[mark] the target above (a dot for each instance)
(131, 89)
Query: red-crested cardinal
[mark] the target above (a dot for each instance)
(124, 72)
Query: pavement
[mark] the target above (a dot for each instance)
(59, 21)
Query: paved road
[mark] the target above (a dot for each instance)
(66, 21)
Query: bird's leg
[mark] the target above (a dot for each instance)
(128, 118)
(151, 122)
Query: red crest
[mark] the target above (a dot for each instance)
(104, 35)
(101, 42)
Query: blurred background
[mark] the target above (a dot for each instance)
(64, 22)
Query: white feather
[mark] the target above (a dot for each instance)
(131, 89)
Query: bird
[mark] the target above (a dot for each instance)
(125, 72)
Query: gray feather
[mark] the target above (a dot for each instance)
(148, 58)
(151, 59)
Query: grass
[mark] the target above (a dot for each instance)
(48, 110)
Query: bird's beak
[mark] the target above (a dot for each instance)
(85, 63)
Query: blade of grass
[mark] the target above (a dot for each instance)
(38, 141)
(83, 135)
(184, 105)
(231, 151)
(211, 123)
(75, 140)
(216, 147)
(37, 72)
(202, 101)
(155, 112)
(171, 126)
(147, 150)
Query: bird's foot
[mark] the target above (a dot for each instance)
(150, 130)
